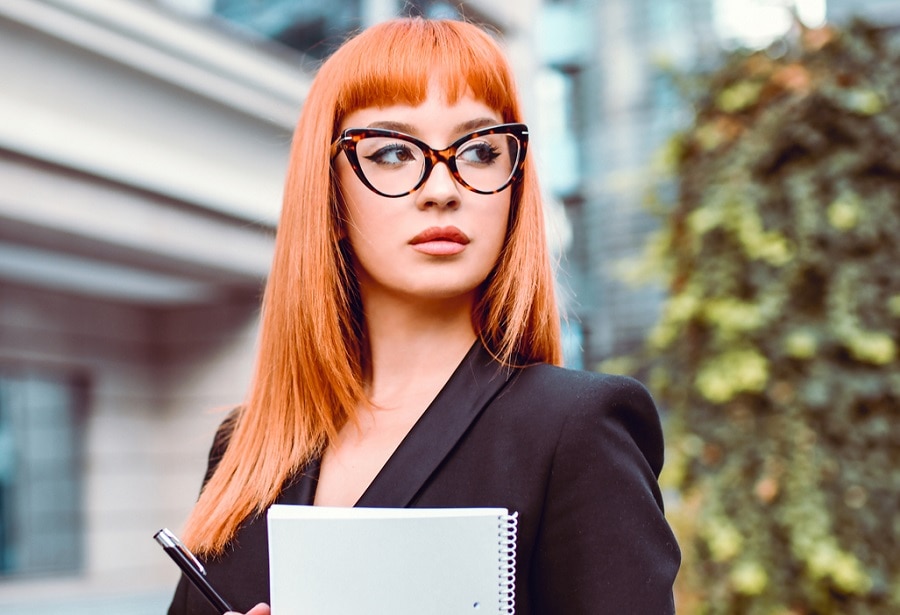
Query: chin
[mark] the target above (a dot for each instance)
(446, 293)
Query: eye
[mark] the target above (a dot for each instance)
(482, 153)
(391, 153)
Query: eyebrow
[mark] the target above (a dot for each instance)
(468, 126)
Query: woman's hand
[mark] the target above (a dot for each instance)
(260, 609)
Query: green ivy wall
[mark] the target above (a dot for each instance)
(776, 355)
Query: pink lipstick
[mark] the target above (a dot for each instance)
(440, 241)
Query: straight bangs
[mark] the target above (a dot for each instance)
(395, 62)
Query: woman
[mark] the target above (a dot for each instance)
(409, 339)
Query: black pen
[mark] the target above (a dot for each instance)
(191, 567)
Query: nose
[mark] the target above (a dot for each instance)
(440, 189)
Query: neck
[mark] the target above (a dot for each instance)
(414, 348)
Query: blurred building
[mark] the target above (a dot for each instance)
(141, 164)
(607, 106)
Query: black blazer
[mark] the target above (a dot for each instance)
(577, 454)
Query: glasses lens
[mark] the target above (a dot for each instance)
(393, 166)
(488, 162)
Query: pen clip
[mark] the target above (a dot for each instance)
(169, 540)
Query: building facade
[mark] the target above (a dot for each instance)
(607, 61)
(141, 161)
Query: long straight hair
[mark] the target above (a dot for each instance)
(309, 375)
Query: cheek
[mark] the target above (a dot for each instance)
(370, 230)
(360, 225)
(355, 207)
(346, 185)
(493, 234)
(501, 222)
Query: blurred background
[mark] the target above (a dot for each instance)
(143, 145)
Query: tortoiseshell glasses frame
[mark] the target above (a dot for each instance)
(517, 138)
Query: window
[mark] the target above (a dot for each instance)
(433, 9)
(40, 473)
(313, 27)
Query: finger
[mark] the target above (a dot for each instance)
(260, 609)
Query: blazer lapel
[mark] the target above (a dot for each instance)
(470, 389)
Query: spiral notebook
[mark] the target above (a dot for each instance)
(391, 561)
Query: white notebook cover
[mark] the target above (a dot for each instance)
(391, 561)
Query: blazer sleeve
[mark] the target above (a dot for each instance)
(604, 545)
(179, 604)
(220, 443)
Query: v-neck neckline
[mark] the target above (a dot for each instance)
(474, 383)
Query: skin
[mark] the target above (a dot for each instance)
(417, 298)
(259, 609)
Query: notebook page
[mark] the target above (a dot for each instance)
(352, 561)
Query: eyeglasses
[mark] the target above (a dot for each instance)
(394, 164)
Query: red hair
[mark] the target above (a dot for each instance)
(309, 374)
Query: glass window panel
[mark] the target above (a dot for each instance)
(40, 479)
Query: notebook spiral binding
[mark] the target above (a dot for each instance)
(509, 526)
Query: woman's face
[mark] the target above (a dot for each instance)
(439, 242)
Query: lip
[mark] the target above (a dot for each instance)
(440, 241)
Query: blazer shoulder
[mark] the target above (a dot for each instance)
(591, 400)
(587, 391)
(220, 442)
(603, 536)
